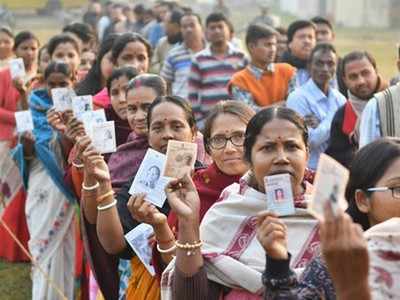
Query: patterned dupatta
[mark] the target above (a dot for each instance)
(232, 254)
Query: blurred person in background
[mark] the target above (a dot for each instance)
(282, 46)
(324, 30)
(105, 20)
(173, 37)
(176, 68)
(116, 16)
(93, 14)
(155, 30)
(84, 34)
(301, 37)
(6, 47)
(265, 17)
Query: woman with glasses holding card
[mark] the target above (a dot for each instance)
(222, 257)
(13, 97)
(373, 193)
(50, 203)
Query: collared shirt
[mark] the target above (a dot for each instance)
(209, 76)
(310, 100)
(370, 124)
(176, 69)
(302, 77)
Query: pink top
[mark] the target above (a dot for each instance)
(101, 99)
(9, 97)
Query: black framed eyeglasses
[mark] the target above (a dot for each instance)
(395, 190)
(219, 142)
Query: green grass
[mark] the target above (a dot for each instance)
(15, 282)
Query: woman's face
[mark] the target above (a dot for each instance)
(279, 148)
(382, 206)
(118, 96)
(134, 55)
(168, 122)
(230, 158)
(139, 100)
(67, 53)
(106, 66)
(6, 45)
(87, 61)
(28, 50)
(58, 80)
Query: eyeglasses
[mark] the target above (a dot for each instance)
(395, 190)
(218, 142)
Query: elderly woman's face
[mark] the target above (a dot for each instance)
(279, 148)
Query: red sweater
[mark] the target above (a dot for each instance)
(9, 97)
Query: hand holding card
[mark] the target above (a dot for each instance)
(279, 194)
(149, 179)
(181, 158)
(138, 239)
(329, 185)
(24, 121)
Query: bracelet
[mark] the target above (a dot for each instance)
(190, 248)
(90, 188)
(29, 157)
(166, 251)
(107, 206)
(102, 197)
(78, 166)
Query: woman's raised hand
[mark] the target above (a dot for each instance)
(183, 198)
(74, 128)
(56, 121)
(94, 164)
(145, 212)
(345, 252)
(272, 235)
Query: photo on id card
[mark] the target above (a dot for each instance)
(181, 158)
(93, 117)
(329, 185)
(81, 105)
(24, 121)
(104, 137)
(17, 68)
(279, 194)
(62, 98)
(138, 239)
(149, 179)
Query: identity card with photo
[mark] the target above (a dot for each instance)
(17, 68)
(81, 105)
(104, 137)
(329, 185)
(62, 98)
(279, 194)
(138, 239)
(93, 117)
(149, 179)
(181, 158)
(24, 121)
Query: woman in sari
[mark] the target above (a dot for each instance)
(168, 118)
(222, 257)
(373, 193)
(12, 195)
(123, 165)
(50, 203)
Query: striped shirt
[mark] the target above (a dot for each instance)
(176, 69)
(209, 76)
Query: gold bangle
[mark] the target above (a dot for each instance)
(190, 248)
(78, 166)
(29, 157)
(104, 196)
